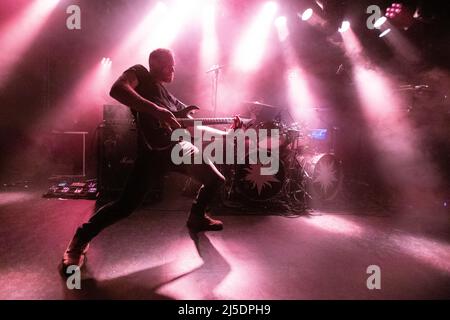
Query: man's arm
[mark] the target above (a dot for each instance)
(123, 90)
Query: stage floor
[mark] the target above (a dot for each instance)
(150, 255)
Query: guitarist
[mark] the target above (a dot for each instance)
(144, 93)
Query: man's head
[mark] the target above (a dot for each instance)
(162, 65)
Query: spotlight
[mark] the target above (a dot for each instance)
(251, 46)
(394, 10)
(385, 32)
(307, 14)
(270, 7)
(400, 15)
(161, 7)
(106, 62)
(379, 22)
(19, 34)
(281, 25)
(344, 26)
(280, 21)
(310, 11)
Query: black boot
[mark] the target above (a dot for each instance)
(199, 221)
(75, 253)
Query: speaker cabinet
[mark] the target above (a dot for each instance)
(117, 145)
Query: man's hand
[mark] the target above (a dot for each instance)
(167, 118)
(237, 123)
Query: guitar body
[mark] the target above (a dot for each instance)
(155, 135)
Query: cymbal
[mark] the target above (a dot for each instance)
(259, 104)
(410, 87)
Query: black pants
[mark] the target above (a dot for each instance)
(148, 166)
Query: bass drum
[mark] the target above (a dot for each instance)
(323, 174)
(253, 185)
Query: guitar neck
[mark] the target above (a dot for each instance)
(204, 121)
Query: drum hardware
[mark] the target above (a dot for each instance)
(304, 177)
(245, 181)
(295, 188)
(258, 104)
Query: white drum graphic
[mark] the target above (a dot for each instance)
(324, 175)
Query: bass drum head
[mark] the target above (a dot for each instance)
(255, 186)
(324, 175)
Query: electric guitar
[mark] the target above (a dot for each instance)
(157, 136)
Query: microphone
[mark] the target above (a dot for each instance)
(215, 67)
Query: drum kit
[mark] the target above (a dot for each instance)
(306, 176)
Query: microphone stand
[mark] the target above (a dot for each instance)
(215, 82)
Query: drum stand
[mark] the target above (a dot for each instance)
(293, 193)
(228, 191)
(295, 185)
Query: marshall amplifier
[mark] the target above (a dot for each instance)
(116, 148)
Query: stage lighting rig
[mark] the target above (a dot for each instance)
(400, 15)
